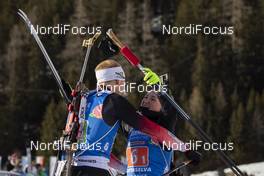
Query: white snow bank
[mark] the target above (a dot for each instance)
(256, 169)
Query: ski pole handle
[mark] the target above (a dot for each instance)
(126, 52)
(114, 38)
(90, 41)
(88, 44)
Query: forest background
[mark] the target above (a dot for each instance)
(218, 79)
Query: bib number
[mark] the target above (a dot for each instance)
(137, 156)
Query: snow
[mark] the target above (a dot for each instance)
(254, 169)
(210, 173)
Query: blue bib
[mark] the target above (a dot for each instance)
(95, 137)
(144, 158)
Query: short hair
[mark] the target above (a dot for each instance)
(109, 63)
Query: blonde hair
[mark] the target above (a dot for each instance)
(109, 63)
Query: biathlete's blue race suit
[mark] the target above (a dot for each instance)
(146, 158)
(96, 137)
(99, 117)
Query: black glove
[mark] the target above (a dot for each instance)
(107, 47)
(194, 156)
(67, 87)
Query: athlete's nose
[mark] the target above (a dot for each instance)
(146, 102)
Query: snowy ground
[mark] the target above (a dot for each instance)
(253, 169)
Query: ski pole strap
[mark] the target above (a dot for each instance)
(89, 44)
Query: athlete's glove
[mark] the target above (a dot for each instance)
(194, 156)
(151, 77)
(67, 87)
(107, 47)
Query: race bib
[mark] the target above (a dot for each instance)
(137, 156)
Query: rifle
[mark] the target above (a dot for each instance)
(72, 126)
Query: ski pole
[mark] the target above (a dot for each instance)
(133, 59)
(76, 93)
(178, 167)
(87, 43)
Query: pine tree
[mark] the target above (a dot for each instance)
(151, 48)
(3, 80)
(17, 62)
(234, 99)
(257, 128)
(236, 132)
(253, 47)
(53, 124)
(220, 100)
(237, 21)
(183, 99)
(251, 103)
(182, 128)
(200, 68)
(219, 116)
(219, 48)
(197, 105)
(128, 21)
(178, 59)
